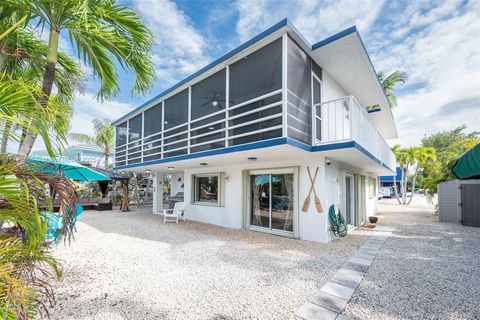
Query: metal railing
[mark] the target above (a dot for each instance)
(345, 119)
(217, 130)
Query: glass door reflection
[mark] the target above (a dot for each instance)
(271, 204)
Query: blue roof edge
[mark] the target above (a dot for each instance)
(335, 37)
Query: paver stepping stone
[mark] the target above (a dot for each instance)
(328, 301)
(355, 266)
(365, 256)
(365, 262)
(311, 311)
(332, 298)
(338, 290)
(351, 283)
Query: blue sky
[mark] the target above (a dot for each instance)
(436, 42)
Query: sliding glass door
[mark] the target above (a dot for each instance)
(271, 200)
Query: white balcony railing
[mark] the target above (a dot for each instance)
(345, 119)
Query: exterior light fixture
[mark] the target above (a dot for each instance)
(203, 163)
(211, 128)
(171, 168)
(252, 158)
(214, 103)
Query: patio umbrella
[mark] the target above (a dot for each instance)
(71, 170)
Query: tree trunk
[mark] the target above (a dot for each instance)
(106, 160)
(413, 186)
(48, 78)
(5, 136)
(404, 185)
(395, 188)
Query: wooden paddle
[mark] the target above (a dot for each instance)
(318, 205)
(306, 203)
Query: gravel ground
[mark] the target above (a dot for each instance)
(426, 270)
(132, 266)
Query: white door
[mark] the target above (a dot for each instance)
(350, 199)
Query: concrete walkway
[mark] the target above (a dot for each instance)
(330, 301)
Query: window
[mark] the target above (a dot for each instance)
(121, 134)
(206, 189)
(135, 128)
(257, 74)
(153, 120)
(299, 94)
(208, 96)
(176, 110)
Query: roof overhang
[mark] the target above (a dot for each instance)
(345, 58)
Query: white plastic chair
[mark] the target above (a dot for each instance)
(175, 213)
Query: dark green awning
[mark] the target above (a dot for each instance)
(468, 166)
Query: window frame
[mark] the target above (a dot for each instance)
(219, 202)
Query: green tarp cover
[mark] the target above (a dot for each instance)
(468, 166)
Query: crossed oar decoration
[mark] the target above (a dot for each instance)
(306, 203)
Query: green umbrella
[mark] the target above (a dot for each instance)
(71, 170)
(468, 166)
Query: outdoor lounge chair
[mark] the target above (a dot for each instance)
(174, 214)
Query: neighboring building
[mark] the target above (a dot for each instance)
(81, 153)
(387, 184)
(86, 154)
(238, 135)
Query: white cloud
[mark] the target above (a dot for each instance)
(315, 19)
(444, 62)
(180, 48)
(436, 43)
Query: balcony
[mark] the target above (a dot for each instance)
(345, 119)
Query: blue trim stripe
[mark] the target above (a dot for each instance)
(214, 152)
(227, 56)
(374, 110)
(260, 145)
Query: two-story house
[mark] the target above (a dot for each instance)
(240, 135)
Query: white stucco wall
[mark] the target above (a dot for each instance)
(331, 89)
(311, 225)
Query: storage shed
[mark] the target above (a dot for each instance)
(459, 202)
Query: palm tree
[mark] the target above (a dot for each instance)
(22, 56)
(25, 262)
(104, 34)
(413, 158)
(389, 83)
(103, 138)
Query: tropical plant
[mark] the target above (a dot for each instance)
(103, 138)
(389, 83)
(25, 262)
(104, 35)
(414, 159)
(449, 145)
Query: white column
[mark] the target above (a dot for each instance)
(157, 192)
(177, 183)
